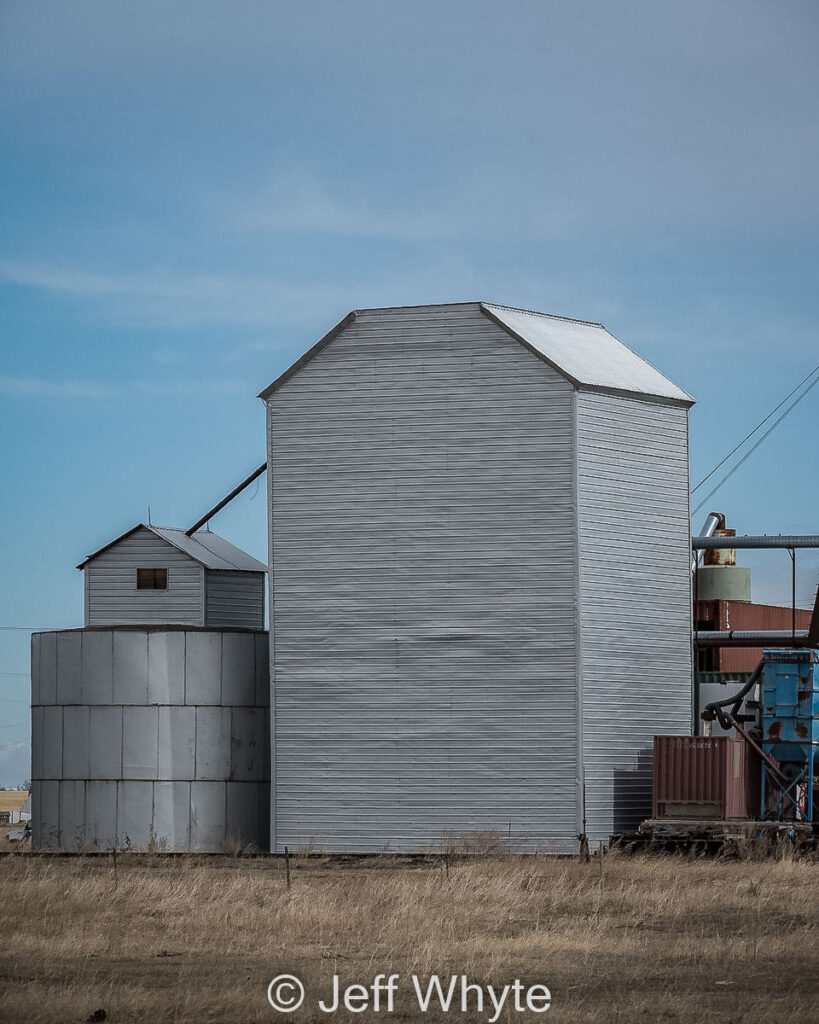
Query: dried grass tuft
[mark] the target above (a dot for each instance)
(196, 939)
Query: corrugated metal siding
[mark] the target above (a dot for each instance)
(212, 551)
(112, 769)
(745, 615)
(234, 599)
(422, 589)
(635, 600)
(708, 777)
(110, 582)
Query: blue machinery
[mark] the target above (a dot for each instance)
(790, 734)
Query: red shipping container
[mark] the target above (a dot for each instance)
(706, 778)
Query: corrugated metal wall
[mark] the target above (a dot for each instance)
(632, 479)
(234, 599)
(744, 615)
(111, 597)
(423, 589)
(142, 736)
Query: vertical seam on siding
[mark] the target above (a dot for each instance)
(578, 639)
(122, 743)
(694, 696)
(271, 633)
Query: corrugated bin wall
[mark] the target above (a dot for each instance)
(705, 777)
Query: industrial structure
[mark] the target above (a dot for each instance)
(479, 539)
(723, 608)
(150, 724)
(756, 782)
(722, 604)
(742, 617)
(750, 776)
(481, 587)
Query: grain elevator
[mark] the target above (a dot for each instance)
(150, 724)
(479, 591)
(480, 588)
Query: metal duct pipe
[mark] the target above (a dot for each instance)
(752, 638)
(226, 501)
(715, 520)
(810, 540)
(734, 702)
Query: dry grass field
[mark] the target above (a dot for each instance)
(194, 939)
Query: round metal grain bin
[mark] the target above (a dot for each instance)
(150, 737)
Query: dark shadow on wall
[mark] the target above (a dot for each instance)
(632, 792)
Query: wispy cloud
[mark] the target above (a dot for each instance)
(300, 202)
(39, 387)
(172, 299)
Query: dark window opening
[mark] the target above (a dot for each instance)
(152, 579)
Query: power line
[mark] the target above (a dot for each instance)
(754, 447)
(751, 434)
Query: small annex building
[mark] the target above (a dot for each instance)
(480, 581)
(159, 575)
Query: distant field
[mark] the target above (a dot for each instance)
(190, 939)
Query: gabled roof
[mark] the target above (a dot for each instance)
(583, 352)
(204, 547)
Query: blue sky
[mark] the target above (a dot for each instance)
(192, 193)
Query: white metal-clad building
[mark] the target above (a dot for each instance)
(156, 574)
(480, 580)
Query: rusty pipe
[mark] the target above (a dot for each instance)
(714, 521)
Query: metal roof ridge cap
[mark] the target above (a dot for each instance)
(487, 312)
(417, 305)
(305, 358)
(648, 396)
(550, 316)
(110, 544)
(168, 540)
(202, 562)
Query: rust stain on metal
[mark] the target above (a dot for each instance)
(801, 730)
(721, 556)
(775, 731)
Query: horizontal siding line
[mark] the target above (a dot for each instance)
(401, 484)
